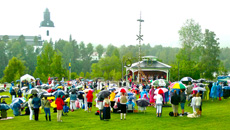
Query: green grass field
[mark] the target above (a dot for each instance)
(215, 115)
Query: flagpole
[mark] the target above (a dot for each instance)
(69, 69)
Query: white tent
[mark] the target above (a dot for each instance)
(27, 77)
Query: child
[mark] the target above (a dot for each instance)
(193, 104)
(77, 103)
(106, 110)
(65, 109)
(198, 103)
(130, 105)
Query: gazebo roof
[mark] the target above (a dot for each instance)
(150, 65)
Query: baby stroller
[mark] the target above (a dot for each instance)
(65, 109)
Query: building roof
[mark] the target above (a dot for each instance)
(150, 65)
(29, 39)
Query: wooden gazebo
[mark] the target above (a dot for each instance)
(150, 69)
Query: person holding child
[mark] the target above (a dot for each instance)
(106, 110)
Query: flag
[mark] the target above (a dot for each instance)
(70, 64)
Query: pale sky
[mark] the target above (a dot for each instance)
(106, 21)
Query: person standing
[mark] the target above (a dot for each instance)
(151, 96)
(175, 99)
(30, 105)
(182, 100)
(106, 110)
(73, 98)
(159, 102)
(81, 98)
(112, 97)
(36, 104)
(198, 103)
(60, 103)
(89, 97)
(46, 106)
(123, 102)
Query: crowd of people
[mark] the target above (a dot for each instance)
(78, 94)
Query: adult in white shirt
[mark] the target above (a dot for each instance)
(159, 100)
(30, 105)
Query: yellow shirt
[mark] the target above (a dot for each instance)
(112, 96)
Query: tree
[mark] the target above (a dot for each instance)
(30, 59)
(116, 53)
(74, 75)
(5, 38)
(87, 75)
(190, 36)
(189, 55)
(100, 50)
(109, 50)
(14, 68)
(44, 61)
(68, 53)
(82, 74)
(57, 69)
(3, 57)
(210, 50)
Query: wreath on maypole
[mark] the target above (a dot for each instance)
(128, 63)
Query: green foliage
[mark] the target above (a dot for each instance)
(44, 61)
(100, 50)
(56, 66)
(3, 57)
(82, 74)
(106, 76)
(110, 49)
(14, 69)
(222, 69)
(87, 75)
(210, 55)
(74, 75)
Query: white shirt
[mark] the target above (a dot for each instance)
(159, 99)
(198, 101)
(193, 103)
(30, 102)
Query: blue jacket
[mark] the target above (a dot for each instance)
(36, 102)
(73, 96)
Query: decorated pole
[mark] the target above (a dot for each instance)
(69, 69)
(139, 37)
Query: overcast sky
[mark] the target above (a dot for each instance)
(106, 21)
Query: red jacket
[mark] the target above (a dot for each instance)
(59, 103)
(89, 96)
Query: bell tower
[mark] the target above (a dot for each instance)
(46, 26)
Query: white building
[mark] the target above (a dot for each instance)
(95, 56)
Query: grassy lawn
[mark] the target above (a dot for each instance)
(215, 116)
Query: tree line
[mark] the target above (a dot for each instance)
(199, 57)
